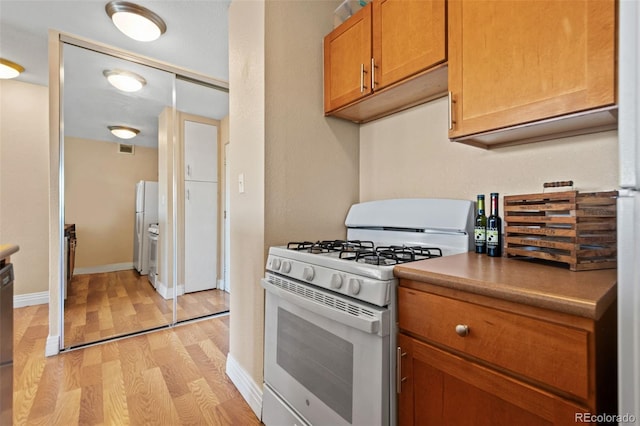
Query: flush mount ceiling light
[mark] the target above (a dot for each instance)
(124, 132)
(125, 80)
(135, 21)
(9, 69)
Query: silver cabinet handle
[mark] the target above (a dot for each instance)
(399, 378)
(451, 102)
(188, 170)
(373, 74)
(362, 71)
(462, 330)
(188, 195)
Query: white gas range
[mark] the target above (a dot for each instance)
(330, 316)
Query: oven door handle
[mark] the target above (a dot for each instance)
(370, 326)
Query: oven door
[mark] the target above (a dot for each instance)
(324, 360)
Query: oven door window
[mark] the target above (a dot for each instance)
(318, 360)
(328, 372)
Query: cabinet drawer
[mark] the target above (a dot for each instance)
(548, 353)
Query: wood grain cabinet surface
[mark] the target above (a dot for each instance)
(347, 61)
(469, 360)
(389, 56)
(513, 64)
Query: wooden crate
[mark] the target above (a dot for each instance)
(567, 227)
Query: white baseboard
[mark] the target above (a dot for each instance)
(163, 290)
(30, 299)
(166, 292)
(52, 346)
(113, 267)
(248, 388)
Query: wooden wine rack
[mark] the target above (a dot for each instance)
(566, 227)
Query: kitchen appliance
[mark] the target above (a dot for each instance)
(330, 314)
(628, 209)
(146, 214)
(154, 231)
(6, 342)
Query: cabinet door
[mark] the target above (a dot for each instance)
(347, 61)
(514, 62)
(449, 390)
(408, 37)
(200, 152)
(200, 235)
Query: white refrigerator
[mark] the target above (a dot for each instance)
(146, 214)
(629, 210)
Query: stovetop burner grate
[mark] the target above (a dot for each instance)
(392, 255)
(367, 252)
(330, 246)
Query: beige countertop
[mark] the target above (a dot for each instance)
(586, 293)
(7, 250)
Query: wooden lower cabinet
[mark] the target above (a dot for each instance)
(444, 389)
(510, 364)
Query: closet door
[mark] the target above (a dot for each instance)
(200, 236)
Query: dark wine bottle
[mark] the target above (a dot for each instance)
(494, 229)
(480, 228)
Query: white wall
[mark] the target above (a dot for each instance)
(300, 169)
(24, 181)
(246, 157)
(409, 155)
(311, 161)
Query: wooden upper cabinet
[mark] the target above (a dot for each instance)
(408, 37)
(405, 43)
(518, 62)
(347, 61)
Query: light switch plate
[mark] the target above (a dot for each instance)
(241, 183)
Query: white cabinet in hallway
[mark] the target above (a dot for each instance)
(200, 235)
(200, 152)
(200, 206)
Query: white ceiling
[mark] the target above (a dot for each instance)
(196, 39)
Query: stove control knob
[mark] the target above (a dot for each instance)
(336, 281)
(308, 273)
(354, 286)
(275, 264)
(286, 267)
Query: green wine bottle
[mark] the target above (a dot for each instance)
(480, 228)
(494, 229)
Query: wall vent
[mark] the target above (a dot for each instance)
(124, 148)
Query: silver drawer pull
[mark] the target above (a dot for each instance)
(462, 330)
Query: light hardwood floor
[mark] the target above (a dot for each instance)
(104, 305)
(174, 376)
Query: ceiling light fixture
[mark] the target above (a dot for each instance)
(124, 132)
(125, 80)
(9, 69)
(135, 21)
